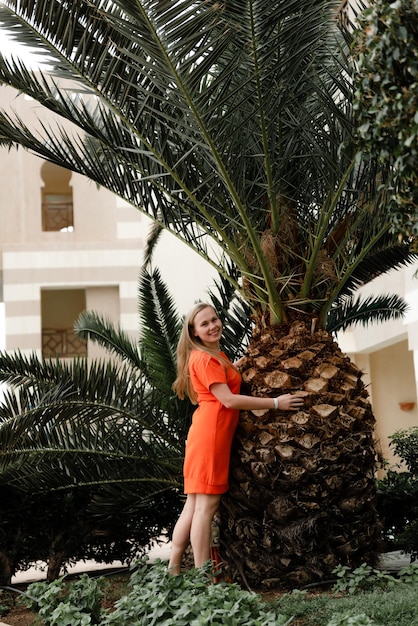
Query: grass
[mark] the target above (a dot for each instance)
(392, 607)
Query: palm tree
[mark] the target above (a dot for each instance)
(230, 124)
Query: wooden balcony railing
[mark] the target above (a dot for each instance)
(62, 342)
(57, 216)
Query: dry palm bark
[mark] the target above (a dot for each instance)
(302, 494)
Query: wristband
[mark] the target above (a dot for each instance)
(276, 403)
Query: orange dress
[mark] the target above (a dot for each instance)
(208, 446)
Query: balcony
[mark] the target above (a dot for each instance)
(62, 343)
(57, 213)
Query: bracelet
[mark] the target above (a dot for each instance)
(276, 403)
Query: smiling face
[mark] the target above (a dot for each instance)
(208, 327)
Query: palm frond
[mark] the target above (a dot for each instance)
(98, 328)
(94, 422)
(351, 311)
(160, 328)
(152, 241)
(385, 256)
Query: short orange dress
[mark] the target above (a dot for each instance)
(208, 445)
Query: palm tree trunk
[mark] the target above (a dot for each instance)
(302, 495)
(6, 569)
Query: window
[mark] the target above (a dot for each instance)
(57, 199)
(57, 212)
(60, 308)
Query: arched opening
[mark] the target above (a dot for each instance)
(57, 198)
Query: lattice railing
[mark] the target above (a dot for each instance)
(57, 215)
(62, 342)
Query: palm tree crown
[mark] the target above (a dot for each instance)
(228, 123)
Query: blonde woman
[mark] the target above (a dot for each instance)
(210, 380)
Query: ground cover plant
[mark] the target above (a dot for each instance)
(148, 595)
(390, 607)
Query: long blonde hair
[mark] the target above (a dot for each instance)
(188, 342)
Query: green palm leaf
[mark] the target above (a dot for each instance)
(100, 329)
(358, 310)
(387, 255)
(161, 326)
(71, 418)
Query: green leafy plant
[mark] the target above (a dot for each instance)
(405, 445)
(363, 577)
(385, 103)
(189, 600)
(44, 594)
(67, 615)
(156, 598)
(409, 574)
(60, 603)
(4, 603)
(397, 495)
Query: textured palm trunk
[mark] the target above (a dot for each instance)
(302, 495)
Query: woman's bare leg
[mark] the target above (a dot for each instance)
(181, 535)
(205, 508)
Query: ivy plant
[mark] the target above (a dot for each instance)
(156, 598)
(385, 51)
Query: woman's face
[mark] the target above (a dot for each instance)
(208, 327)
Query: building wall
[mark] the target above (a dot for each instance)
(392, 373)
(99, 252)
(387, 353)
(100, 255)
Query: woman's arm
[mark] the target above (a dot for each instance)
(230, 400)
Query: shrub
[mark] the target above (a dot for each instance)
(398, 495)
(385, 100)
(361, 578)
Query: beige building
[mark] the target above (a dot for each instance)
(387, 353)
(66, 246)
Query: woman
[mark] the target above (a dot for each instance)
(210, 380)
